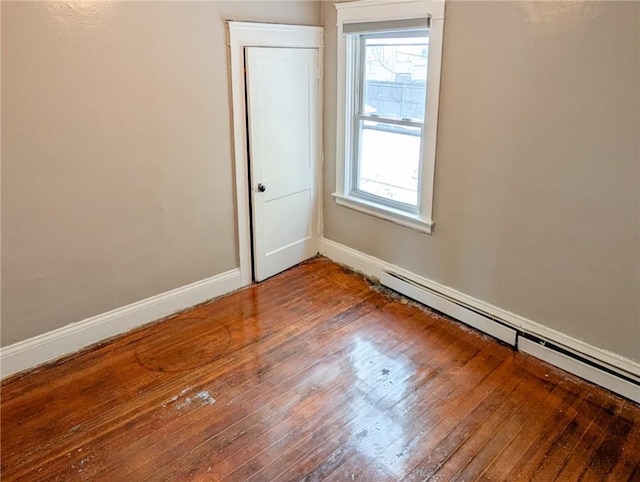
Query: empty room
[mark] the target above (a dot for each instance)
(376, 240)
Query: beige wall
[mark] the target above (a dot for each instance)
(117, 170)
(116, 152)
(537, 203)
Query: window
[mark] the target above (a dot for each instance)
(390, 92)
(388, 75)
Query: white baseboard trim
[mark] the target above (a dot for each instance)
(71, 338)
(377, 268)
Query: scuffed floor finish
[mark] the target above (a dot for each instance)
(312, 375)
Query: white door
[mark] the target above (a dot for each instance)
(282, 115)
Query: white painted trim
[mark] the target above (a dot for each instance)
(369, 10)
(376, 10)
(567, 363)
(387, 213)
(320, 166)
(372, 266)
(248, 34)
(71, 338)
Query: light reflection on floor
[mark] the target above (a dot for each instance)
(389, 380)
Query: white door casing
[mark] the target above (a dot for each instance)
(249, 34)
(282, 118)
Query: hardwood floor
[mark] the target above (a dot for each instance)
(311, 375)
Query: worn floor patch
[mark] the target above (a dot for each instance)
(203, 397)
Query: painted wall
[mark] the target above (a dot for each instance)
(116, 152)
(537, 202)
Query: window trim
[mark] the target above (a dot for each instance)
(380, 11)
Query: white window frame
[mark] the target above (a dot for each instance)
(420, 219)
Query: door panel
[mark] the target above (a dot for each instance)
(282, 108)
(281, 235)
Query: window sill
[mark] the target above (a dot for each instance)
(388, 214)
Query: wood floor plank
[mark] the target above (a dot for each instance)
(584, 465)
(488, 448)
(192, 428)
(111, 383)
(364, 405)
(532, 421)
(281, 416)
(338, 450)
(137, 412)
(389, 454)
(78, 394)
(426, 371)
(314, 374)
(626, 468)
(451, 429)
(458, 452)
(581, 418)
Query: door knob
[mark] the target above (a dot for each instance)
(261, 187)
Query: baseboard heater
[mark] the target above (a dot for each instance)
(447, 305)
(625, 384)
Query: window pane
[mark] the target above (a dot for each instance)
(395, 77)
(389, 162)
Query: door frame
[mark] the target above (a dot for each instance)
(249, 34)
